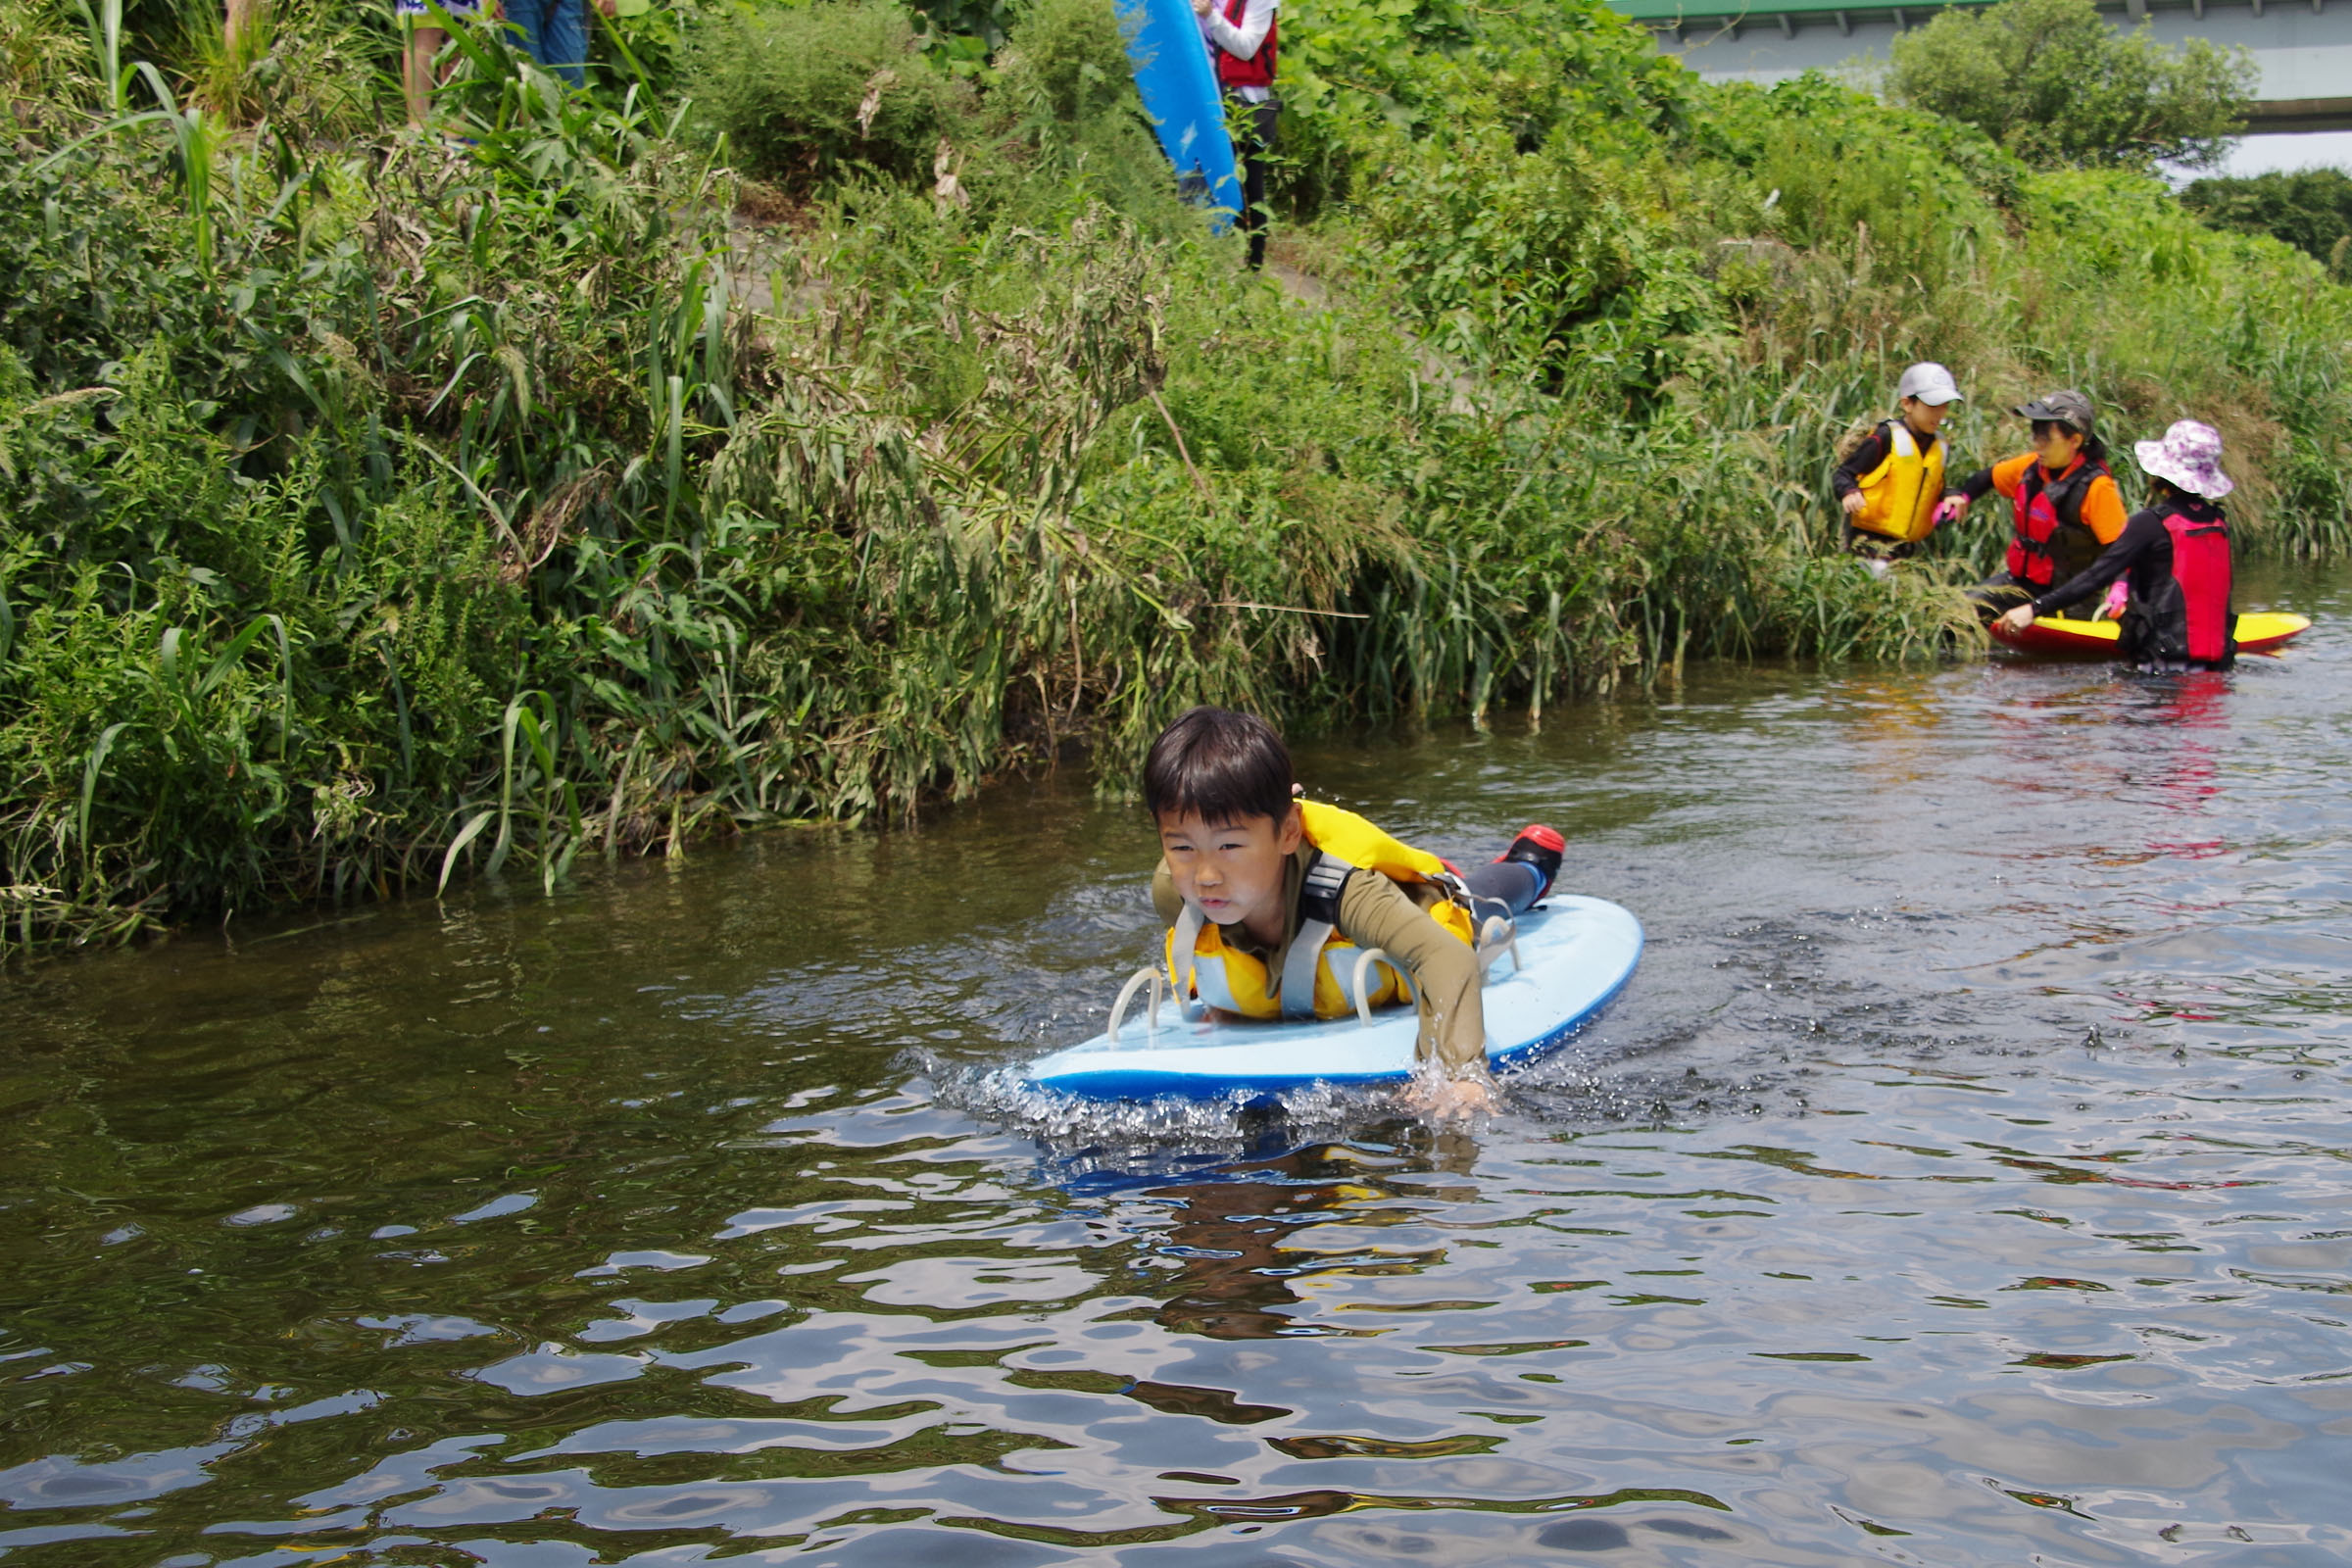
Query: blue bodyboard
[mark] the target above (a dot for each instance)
(1575, 953)
(1180, 93)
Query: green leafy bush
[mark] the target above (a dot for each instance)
(2054, 84)
(1067, 126)
(1069, 62)
(1845, 185)
(305, 66)
(1354, 70)
(2310, 209)
(804, 94)
(1545, 258)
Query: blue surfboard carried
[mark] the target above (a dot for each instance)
(1567, 959)
(1180, 93)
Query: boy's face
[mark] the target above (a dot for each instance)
(1925, 418)
(1231, 872)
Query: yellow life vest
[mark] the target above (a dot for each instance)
(1224, 976)
(1899, 495)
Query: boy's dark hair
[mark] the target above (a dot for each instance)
(1218, 766)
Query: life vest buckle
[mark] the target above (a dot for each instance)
(1319, 892)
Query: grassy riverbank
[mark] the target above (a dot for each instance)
(373, 508)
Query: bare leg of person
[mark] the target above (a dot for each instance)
(416, 70)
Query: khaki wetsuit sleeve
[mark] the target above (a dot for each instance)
(2103, 510)
(1375, 913)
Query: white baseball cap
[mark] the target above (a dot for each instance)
(1929, 382)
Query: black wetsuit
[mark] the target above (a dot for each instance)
(2144, 550)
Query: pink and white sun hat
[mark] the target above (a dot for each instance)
(2190, 456)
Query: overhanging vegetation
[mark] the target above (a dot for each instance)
(373, 506)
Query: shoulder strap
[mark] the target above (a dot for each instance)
(1318, 918)
(2072, 488)
(1184, 956)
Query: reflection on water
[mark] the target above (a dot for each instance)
(1960, 1182)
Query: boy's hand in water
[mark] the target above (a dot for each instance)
(1450, 1099)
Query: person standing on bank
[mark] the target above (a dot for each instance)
(2175, 551)
(422, 43)
(555, 32)
(2064, 506)
(1891, 485)
(1241, 39)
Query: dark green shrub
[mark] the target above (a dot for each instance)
(1551, 261)
(1849, 182)
(303, 65)
(1355, 70)
(806, 93)
(2052, 83)
(1069, 61)
(2310, 209)
(1078, 129)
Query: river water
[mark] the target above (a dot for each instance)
(1962, 1179)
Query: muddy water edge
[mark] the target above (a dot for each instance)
(1962, 1181)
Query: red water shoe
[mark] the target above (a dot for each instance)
(1540, 846)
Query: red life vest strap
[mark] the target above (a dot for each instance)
(2045, 508)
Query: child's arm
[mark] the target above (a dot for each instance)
(1846, 480)
(1375, 913)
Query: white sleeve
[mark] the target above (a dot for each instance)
(1240, 42)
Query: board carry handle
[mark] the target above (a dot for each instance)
(1490, 947)
(1363, 965)
(1147, 975)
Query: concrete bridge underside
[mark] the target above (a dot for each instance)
(2303, 48)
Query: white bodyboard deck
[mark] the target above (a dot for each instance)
(1575, 953)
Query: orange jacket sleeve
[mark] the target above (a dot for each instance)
(2103, 510)
(2010, 472)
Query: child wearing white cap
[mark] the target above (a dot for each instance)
(2176, 552)
(1891, 484)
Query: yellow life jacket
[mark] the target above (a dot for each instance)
(1899, 495)
(1204, 967)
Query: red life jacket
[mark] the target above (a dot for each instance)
(1258, 70)
(2188, 621)
(2051, 542)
